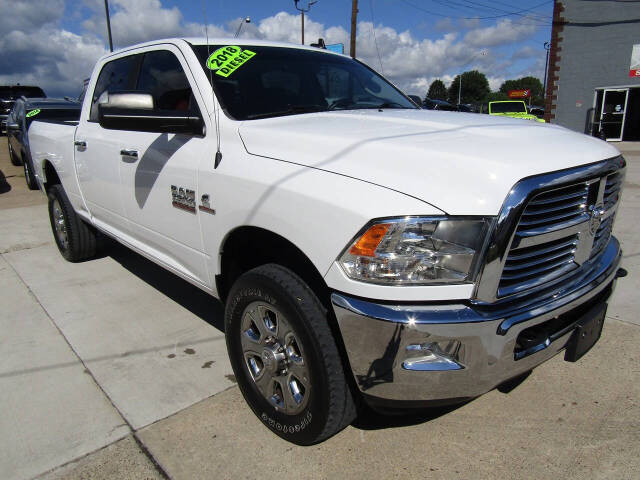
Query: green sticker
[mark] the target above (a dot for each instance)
(33, 113)
(227, 60)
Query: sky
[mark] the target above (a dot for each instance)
(55, 43)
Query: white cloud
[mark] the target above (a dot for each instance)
(28, 15)
(37, 50)
(135, 21)
(504, 32)
(54, 59)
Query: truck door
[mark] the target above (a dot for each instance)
(97, 156)
(159, 171)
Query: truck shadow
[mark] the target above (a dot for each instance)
(196, 301)
(4, 185)
(369, 419)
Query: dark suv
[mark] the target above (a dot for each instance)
(9, 94)
(26, 110)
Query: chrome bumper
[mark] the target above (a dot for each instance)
(436, 352)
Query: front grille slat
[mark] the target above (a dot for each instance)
(543, 268)
(556, 210)
(512, 266)
(558, 198)
(528, 221)
(523, 253)
(545, 209)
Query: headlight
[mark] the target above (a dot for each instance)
(417, 251)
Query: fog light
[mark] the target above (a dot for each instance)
(431, 357)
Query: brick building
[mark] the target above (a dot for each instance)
(594, 68)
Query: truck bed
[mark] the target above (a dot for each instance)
(52, 141)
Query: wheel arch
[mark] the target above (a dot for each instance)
(246, 247)
(50, 175)
(274, 248)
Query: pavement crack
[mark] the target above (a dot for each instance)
(20, 248)
(126, 422)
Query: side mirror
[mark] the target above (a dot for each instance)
(13, 127)
(135, 111)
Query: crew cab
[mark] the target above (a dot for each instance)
(365, 249)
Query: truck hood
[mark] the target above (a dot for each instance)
(461, 163)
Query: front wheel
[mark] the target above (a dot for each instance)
(284, 356)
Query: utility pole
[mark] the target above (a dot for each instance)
(481, 52)
(106, 9)
(302, 11)
(547, 46)
(354, 17)
(242, 22)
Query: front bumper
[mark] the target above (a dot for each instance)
(405, 354)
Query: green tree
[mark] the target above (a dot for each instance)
(475, 87)
(495, 97)
(526, 83)
(437, 90)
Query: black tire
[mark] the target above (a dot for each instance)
(29, 175)
(13, 157)
(78, 241)
(330, 406)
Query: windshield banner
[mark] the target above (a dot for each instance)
(227, 60)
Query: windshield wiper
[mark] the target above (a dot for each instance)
(291, 110)
(390, 105)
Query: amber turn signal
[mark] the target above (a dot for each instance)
(367, 243)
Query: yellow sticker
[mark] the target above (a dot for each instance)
(227, 60)
(33, 113)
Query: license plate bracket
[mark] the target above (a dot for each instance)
(586, 334)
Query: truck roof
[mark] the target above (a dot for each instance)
(221, 41)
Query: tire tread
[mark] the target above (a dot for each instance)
(81, 236)
(342, 408)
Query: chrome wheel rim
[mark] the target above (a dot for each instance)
(274, 358)
(60, 224)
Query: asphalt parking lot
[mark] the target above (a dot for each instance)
(114, 368)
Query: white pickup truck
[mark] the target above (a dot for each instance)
(366, 250)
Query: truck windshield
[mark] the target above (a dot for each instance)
(254, 82)
(508, 107)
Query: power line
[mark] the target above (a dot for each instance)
(436, 14)
(520, 13)
(375, 40)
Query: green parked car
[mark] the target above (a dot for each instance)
(513, 109)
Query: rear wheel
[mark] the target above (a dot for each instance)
(29, 175)
(284, 356)
(12, 156)
(76, 240)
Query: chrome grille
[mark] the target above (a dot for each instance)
(553, 236)
(602, 236)
(612, 189)
(554, 209)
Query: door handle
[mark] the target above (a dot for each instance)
(81, 146)
(129, 153)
